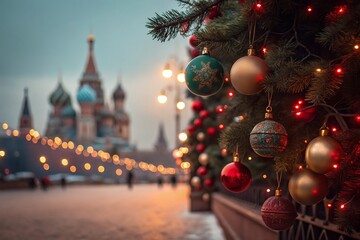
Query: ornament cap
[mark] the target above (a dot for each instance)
(278, 192)
(268, 115)
(324, 131)
(205, 51)
(251, 52)
(236, 158)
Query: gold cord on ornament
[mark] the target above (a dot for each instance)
(252, 30)
(278, 179)
(268, 114)
(236, 154)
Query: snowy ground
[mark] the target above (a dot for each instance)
(104, 212)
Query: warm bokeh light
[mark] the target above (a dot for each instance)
(5, 126)
(80, 148)
(101, 169)
(8, 132)
(72, 169)
(2, 153)
(268, 190)
(90, 149)
(64, 162)
(264, 176)
(249, 158)
(177, 154)
(46, 166)
(87, 166)
(15, 133)
(129, 167)
(183, 136)
(162, 98)
(184, 150)
(180, 105)
(42, 159)
(64, 145)
(181, 77)
(71, 145)
(356, 46)
(118, 172)
(167, 72)
(185, 165)
(160, 168)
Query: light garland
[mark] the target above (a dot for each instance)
(56, 143)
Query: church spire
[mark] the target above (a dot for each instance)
(25, 121)
(90, 66)
(161, 144)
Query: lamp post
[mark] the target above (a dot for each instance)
(179, 103)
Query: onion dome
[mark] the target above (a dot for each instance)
(86, 94)
(59, 96)
(68, 112)
(119, 93)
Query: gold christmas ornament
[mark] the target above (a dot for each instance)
(200, 136)
(323, 153)
(195, 182)
(247, 74)
(307, 187)
(203, 159)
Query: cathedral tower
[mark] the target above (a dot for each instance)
(122, 120)
(86, 123)
(25, 121)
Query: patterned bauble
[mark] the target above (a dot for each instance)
(203, 159)
(201, 171)
(268, 138)
(236, 177)
(307, 187)
(200, 136)
(197, 105)
(200, 147)
(323, 153)
(204, 75)
(195, 182)
(278, 213)
(211, 132)
(247, 74)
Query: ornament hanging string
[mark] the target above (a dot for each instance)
(269, 108)
(236, 153)
(252, 29)
(278, 179)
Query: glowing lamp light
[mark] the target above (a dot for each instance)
(249, 158)
(72, 169)
(46, 166)
(162, 98)
(2, 153)
(118, 172)
(64, 162)
(42, 159)
(87, 166)
(5, 126)
(180, 105)
(101, 169)
(183, 136)
(181, 77)
(167, 72)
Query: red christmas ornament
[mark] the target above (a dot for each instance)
(278, 213)
(195, 53)
(211, 131)
(208, 182)
(191, 129)
(197, 105)
(192, 41)
(214, 13)
(200, 147)
(306, 115)
(201, 171)
(204, 114)
(198, 123)
(236, 177)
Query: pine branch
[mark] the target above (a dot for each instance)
(166, 26)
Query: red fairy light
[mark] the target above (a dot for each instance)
(268, 190)
(264, 50)
(334, 129)
(309, 9)
(230, 93)
(342, 206)
(357, 118)
(329, 205)
(335, 166)
(221, 126)
(258, 6)
(226, 79)
(339, 70)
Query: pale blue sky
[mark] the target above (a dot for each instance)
(40, 37)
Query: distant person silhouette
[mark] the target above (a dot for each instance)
(160, 181)
(32, 183)
(129, 180)
(63, 182)
(173, 180)
(45, 182)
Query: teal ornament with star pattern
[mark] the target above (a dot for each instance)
(204, 75)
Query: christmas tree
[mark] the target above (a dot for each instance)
(297, 62)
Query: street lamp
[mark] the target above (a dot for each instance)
(168, 73)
